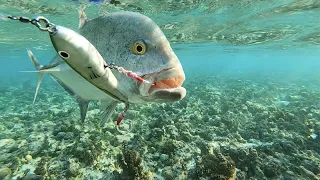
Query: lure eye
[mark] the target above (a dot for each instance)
(64, 54)
(139, 48)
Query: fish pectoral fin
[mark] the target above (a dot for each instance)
(108, 111)
(82, 16)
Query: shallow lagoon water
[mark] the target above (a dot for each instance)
(251, 111)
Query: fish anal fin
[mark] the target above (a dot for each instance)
(108, 110)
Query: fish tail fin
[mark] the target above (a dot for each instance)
(38, 66)
(33, 59)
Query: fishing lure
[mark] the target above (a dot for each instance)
(129, 73)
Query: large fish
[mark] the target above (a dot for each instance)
(130, 40)
(134, 42)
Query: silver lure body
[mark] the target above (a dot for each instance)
(84, 58)
(76, 82)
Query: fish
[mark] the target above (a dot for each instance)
(131, 41)
(135, 42)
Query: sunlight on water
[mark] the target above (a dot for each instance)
(295, 23)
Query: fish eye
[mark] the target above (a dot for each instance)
(139, 48)
(64, 54)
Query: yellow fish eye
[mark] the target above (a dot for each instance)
(139, 48)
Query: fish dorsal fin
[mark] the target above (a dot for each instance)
(83, 104)
(108, 109)
(82, 16)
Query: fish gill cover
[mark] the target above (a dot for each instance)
(251, 111)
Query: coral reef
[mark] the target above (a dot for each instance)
(131, 162)
(215, 166)
(229, 128)
(5, 173)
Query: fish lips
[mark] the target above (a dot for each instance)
(168, 95)
(167, 85)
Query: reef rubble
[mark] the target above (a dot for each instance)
(230, 128)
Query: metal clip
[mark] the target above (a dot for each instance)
(112, 66)
(21, 19)
(48, 26)
(38, 21)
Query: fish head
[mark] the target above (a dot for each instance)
(135, 42)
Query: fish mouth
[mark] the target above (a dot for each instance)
(166, 85)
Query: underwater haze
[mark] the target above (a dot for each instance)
(252, 109)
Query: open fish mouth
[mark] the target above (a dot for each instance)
(167, 84)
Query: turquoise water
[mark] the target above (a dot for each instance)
(252, 108)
